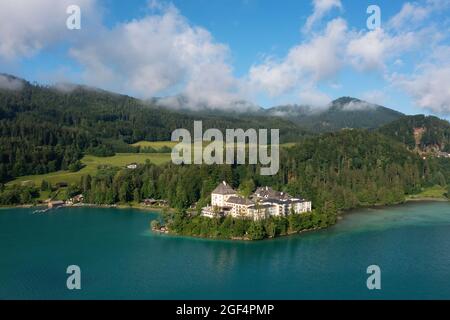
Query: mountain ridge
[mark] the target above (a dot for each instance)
(425, 134)
(318, 119)
(344, 112)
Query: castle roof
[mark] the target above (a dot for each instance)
(268, 192)
(240, 201)
(224, 189)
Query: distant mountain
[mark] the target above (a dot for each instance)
(345, 112)
(48, 128)
(121, 117)
(420, 132)
(342, 113)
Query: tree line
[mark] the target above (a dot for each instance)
(336, 171)
(45, 129)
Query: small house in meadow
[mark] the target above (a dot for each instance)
(132, 166)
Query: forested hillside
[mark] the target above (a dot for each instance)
(342, 113)
(353, 167)
(44, 129)
(420, 131)
(336, 171)
(343, 170)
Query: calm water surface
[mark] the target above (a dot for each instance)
(121, 259)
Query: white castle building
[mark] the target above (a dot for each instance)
(264, 203)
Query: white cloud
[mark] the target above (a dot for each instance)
(155, 5)
(26, 27)
(403, 33)
(313, 97)
(160, 53)
(413, 14)
(375, 96)
(370, 50)
(306, 63)
(410, 14)
(10, 83)
(440, 54)
(429, 87)
(357, 106)
(321, 8)
(163, 54)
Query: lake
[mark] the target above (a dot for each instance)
(120, 258)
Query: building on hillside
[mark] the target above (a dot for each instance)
(239, 206)
(284, 203)
(264, 203)
(441, 154)
(75, 200)
(221, 194)
(132, 166)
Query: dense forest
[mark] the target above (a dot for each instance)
(44, 129)
(423, 132)
(337, 171)
(341, 170)
(345, 112)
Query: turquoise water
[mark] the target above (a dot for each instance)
(120, 259)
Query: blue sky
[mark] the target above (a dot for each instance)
(217, 51)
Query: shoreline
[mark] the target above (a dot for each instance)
(141, 206)
(341, 216)
(238, 239)
(158, 210)
(405, 202)
(422, 199)
(99, 206)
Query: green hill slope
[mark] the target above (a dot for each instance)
(425, 133)
(342, 113)
(46, 129)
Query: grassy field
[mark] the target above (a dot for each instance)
(436, 192)
(155, 144)
(91, 163)
(119, 160)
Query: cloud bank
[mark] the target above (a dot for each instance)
(29, 26)
(321, 8)
(9, 83)
(160, 53)
(163, 54)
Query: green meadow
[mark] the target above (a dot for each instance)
(155, 144)
(91, 164)
(436, 192)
